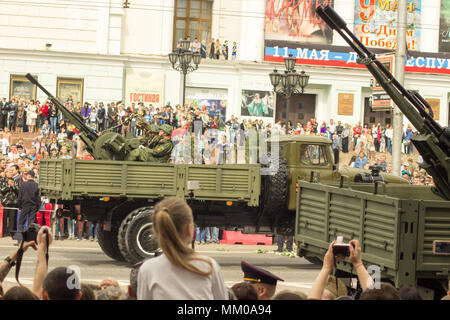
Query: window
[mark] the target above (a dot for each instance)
(192, 19)
(313, 155)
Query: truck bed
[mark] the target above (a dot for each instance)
(69, 179)
(395, 227)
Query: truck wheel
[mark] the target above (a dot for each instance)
(136, 240)
(108, 243)
(274, 195)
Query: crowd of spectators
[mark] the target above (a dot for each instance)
(212, 50)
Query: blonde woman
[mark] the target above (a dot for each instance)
(179, 273)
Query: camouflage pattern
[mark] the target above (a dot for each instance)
(167, 129)
(161, 152)
(8, 195)
(154, 141)
(154, 128)
(110, 293)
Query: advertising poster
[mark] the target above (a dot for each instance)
(70, 88)
(21, 88)
(144, 85)
(214, 100)
(258, 103)
(444, 28)
(296, 21)
(376, 23)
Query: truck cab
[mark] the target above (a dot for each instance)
(305, 155)
(311, 157)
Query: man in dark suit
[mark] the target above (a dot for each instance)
(3, 113)
(101, 117)
(17, 177)
(111, 113)
(29, 201)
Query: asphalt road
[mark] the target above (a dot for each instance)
(94, 265)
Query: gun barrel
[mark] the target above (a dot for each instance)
(433, 141)
(86, 133)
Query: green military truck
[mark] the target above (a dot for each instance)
(121, 194)
(396, 226)
(403, 230)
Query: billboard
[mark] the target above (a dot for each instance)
(257, 103)
(376, 21)
(144, 85)
(215, 100)
(444, 27)
(296, 21)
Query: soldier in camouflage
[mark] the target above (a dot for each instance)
(160, 153)
(152, 137)
(9, 191)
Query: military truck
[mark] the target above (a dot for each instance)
(121, 194)
(404, 231)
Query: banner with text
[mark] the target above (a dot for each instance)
(144, 85)
(376, 23)
(444, 28)
(338, 56)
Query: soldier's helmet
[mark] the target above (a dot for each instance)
(154, 128)
(167, 129)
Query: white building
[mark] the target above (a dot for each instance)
(100, 51)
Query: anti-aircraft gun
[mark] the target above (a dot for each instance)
(432, 140)
(402, 229)
(107, 146)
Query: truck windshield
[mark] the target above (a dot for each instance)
(313, 155)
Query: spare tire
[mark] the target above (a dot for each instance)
(136, 240)
(275, 189)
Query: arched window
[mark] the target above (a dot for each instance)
(192, 19)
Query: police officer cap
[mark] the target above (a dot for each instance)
(154, 128)
(254, 274)
(166, 128)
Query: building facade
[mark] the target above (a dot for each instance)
(101, 51)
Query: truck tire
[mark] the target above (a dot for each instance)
(274, 194)
(136, 240)
(108, 243)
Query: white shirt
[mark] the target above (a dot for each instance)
(159, 279)
(4, 144)
(389, 133)
(332, 128)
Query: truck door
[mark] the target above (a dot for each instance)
(309, 157)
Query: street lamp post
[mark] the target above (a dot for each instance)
(289, 83)
(185, 61)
